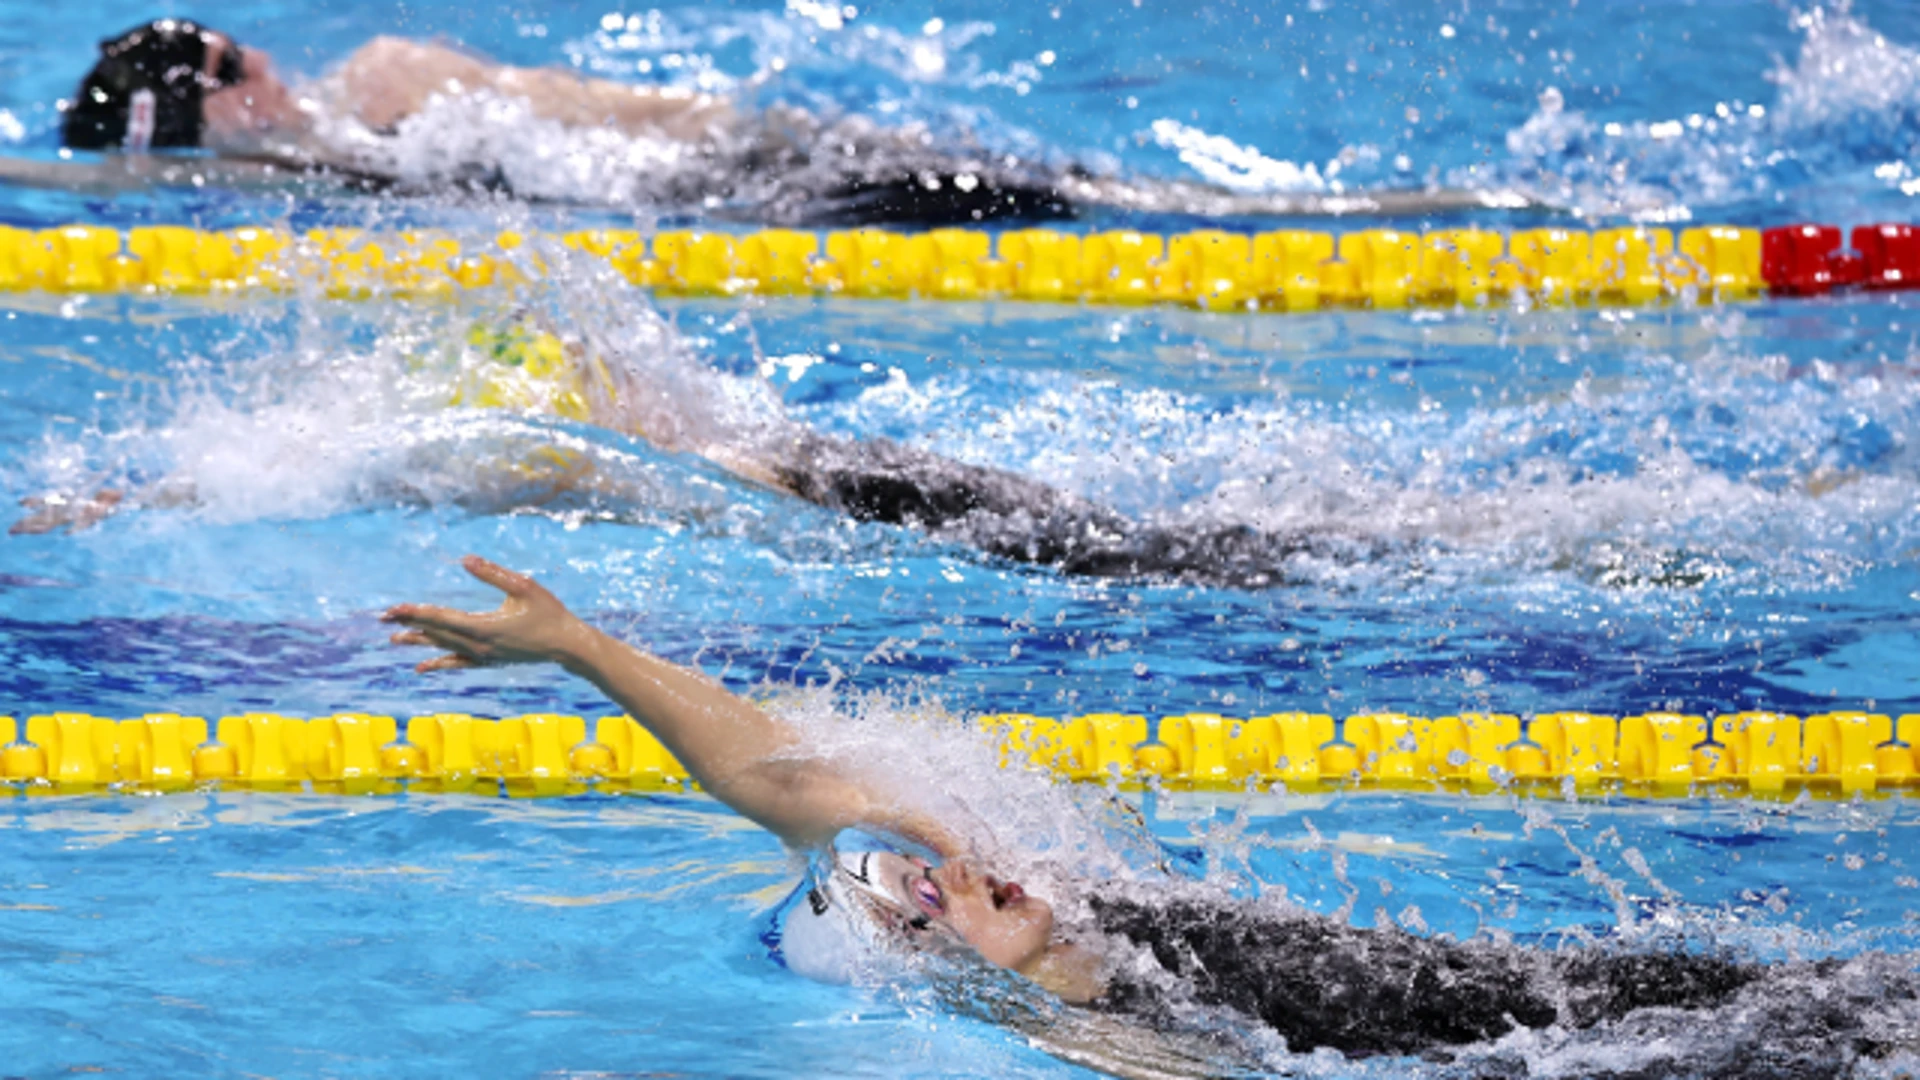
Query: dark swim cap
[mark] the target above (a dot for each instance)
(146, 90)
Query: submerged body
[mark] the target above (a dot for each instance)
(1124, 973)
(1025, 521)
(587, 377)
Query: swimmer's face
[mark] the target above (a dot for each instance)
(258, 104)
(997, 918)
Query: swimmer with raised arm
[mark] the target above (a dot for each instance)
(1315, 981)
(425, 116)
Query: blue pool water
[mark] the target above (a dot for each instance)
(1695, 508)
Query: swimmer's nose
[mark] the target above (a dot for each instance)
(954, 876)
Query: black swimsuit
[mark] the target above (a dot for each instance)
(1321, 983)
(1023, 520)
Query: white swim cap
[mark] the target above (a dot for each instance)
(831, 934)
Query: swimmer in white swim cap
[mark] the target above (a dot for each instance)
(1315, 981)
(745, 757)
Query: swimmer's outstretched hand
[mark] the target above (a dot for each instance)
(530, 626)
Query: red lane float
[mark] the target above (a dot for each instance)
(1807, 260)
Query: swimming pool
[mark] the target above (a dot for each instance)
(1703, 509)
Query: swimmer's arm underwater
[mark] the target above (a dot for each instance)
(73, 513)
(739, 753)
(77, 513)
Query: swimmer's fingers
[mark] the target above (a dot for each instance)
(46, 517)
(530, 626)
(449, 662)
(442, 638)
(432, 617)
(507, 581)
(461, 651)
(33, 524)
(516, 586)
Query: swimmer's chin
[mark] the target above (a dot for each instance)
(1069, 972)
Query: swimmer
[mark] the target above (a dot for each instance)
(993, 511)
(590, 377)
(413, 115)
(1318, 982)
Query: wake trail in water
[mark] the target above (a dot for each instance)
(1486, 1009)
(1725, 466)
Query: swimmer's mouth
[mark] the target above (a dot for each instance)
(932, 899)
(927, 893)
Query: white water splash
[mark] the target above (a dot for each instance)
(1847, 73)
(1222, 161)
(1725, 465)
(313, 424)
(492, 141)
(1846, 109)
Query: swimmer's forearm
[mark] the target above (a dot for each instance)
(392, 78)
(710, 729)
(741, 754)
(582, 102)
(738, 752)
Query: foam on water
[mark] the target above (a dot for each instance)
(493, 142)
(1220, 160)
(331, 410)
(1851, 93)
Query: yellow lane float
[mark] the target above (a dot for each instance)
(1660, 754)
(1289, 270)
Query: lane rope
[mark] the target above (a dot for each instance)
(1658, 754)
(1291, 270)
